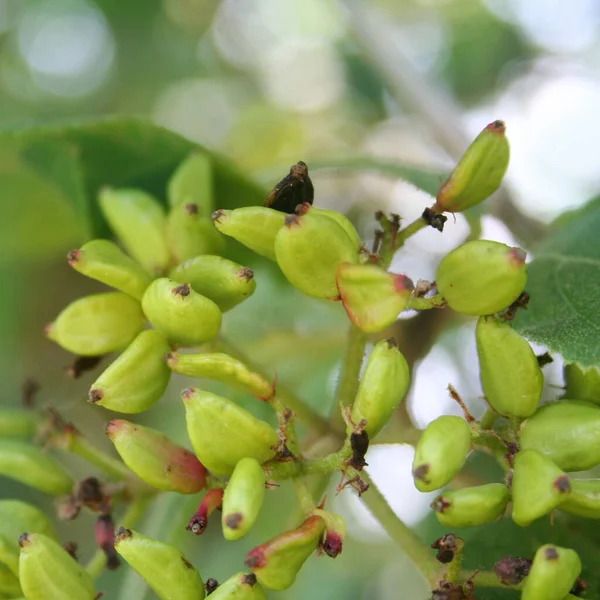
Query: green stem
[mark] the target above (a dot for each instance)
(488, 419)
(350, 371)
(417, 303)
(453, 573)
(132, 515)
(410, 230)
(318, 466)
(488, 579)
(74, 442)
(302, 410)
(420, 555)
(304, 496)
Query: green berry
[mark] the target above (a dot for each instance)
(15, 518)
(582, 383)
(106, 262)
(335, 532)
(9, 584)
(253, 226)
(220, 367)
(567, 432)
(226, 283)
(222, 433)
(243, 498)
(338, 217)
(242, 586)
(510, 374)
(137, 379)
(372, 297)
(161, 565)
(309, 250)
(156, 459)
(584, 499)
(482, 277)
(382, 387)
(553, 573)
(479, 172)
(441, 453)
(18, 423)
(471, 506)
(48, 572)
(30, 465)
(181, 314)
(538, 487)
(277, 562)
(138, 220)
(97, 324)
(192, 182)
(191, 233)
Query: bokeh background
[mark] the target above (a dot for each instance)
(357, 90)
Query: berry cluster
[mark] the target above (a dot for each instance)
(173, 289)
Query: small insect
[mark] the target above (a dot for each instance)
(295, 188)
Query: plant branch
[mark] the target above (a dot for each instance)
(350, 371)
(415, 549)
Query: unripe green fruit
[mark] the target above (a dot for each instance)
(226, 283)
(138, 220)
(33, 467)
(221, 367)
(309, 250)
(9, 583)
(553, 573)
(510, 374)
(567, 432)
(338, 217)
(441, 453)
(192, 182)
(253, 226)
(479, 172)
(18, 423)
(181, 314)
(243, 498)
(482, 277)
(372, 297)
(471, 506)
(15, 518)
(48, 572)
(538, 486)
(191, 233)
(582, 383)
(335, 532)
(584, 499)
(156, 459)
(242, 586)
(161, 565)
(222, 433)
(382, 387)
(137, 379)
(277, 562)
(9, 556)
(106, 262)
(97, 324)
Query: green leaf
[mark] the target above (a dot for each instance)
(50, 177)
(564, 283)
